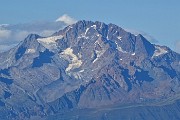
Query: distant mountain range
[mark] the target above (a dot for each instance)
(89, 70)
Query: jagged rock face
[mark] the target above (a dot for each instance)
(85, 65)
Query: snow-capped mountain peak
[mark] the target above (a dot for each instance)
(86, 65)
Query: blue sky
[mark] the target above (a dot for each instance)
(160, 19)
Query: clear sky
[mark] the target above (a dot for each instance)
(159, 18)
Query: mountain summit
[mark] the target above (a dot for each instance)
(85, 66)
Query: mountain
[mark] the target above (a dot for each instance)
(89, 70)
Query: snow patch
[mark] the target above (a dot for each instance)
(49, 40)
(94, 26)
(159, 51)
(79, 55)
(82, 36)
(133, 54)
(73, 60)
(30, 51)
(115, 33)
(86, 31)
(99, 54)
(120, 49)
(70, 27)
(101, 25)
(119, 37)
(81, 71)
(77, 75)
(107, 37)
